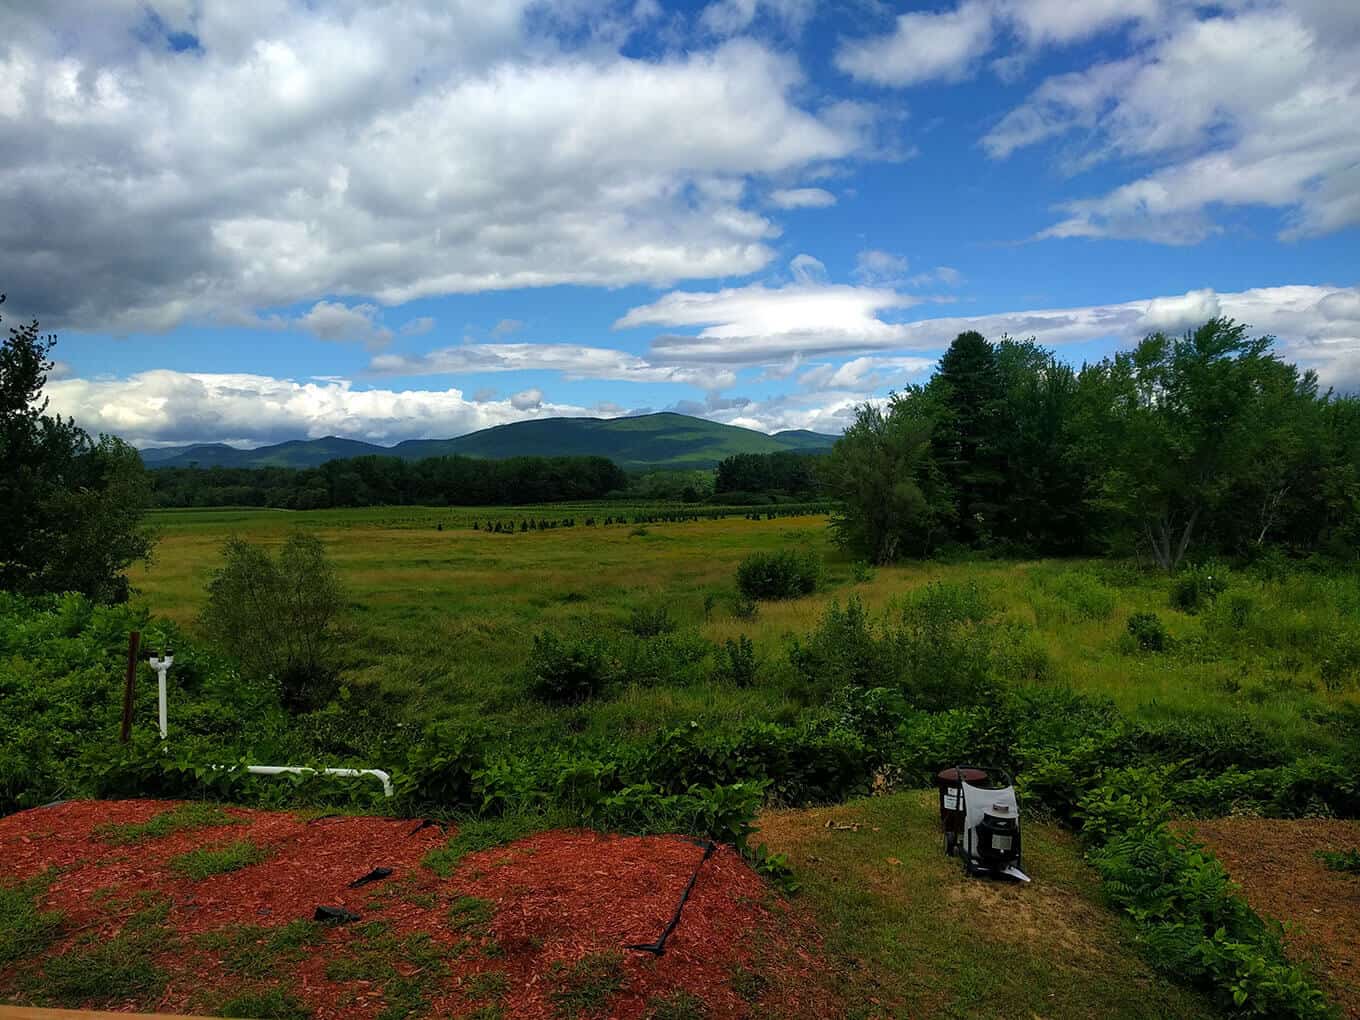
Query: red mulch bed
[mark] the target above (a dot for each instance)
(557, 897)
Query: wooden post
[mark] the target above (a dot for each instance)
(134, 642)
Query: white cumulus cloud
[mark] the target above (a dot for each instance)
(331, 320)
(802, 198)
(375, 151)
(922, 46)
(162, 406)
(1250, 107)
(573, 361)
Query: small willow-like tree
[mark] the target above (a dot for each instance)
(893, 500)
(279, 615)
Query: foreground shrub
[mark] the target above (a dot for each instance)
(442, 769)
(736, 662)
(1340, 665)
(1210, 742)
(786, 574)
(649, 621)
(842, 650)
(937, 651)
(808, 764)
(1085, 594)
(278, 615)
(1197, 588)
(566, 671)
(666, 660)
(1191, 921)
(1148, 632)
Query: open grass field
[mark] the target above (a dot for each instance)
(443, 620)
(1244, 698)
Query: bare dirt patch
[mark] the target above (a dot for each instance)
(1275, 861)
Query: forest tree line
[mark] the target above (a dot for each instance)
(391, 481)
(1179, 449)
(786, 473)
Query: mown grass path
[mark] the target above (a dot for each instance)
(908, 936)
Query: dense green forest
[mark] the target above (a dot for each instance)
(472, 481)
(390, 481)
(1182, 448)
(790, 474)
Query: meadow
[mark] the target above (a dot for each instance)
(441, 618)
(603, 667)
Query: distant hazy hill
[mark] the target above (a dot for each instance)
(646, 442)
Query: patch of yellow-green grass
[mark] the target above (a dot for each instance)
(25, 928)
(179, 819)
(100, 970)
(906, 929)
(205, 862)
(442, 620)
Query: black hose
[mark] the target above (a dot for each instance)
(658, 948)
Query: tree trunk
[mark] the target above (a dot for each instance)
(1185, 539)
(1269, 509)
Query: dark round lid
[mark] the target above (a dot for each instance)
(952, 774)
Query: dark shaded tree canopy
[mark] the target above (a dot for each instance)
(72, 509)
(1181, 448)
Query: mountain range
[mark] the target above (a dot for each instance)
(646, 442)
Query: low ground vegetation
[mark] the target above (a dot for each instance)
(630, 718)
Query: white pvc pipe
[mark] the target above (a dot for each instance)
(278, 770)
(162, 666)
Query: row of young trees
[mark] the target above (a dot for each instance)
(390, 481)
(1207, 443)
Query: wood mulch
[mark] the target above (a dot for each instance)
(549, 901)
(1275, 862)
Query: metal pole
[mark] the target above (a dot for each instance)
(134, 642)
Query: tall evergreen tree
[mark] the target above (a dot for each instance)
(967, 438)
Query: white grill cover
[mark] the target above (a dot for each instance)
(979, 801)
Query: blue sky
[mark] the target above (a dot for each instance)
(254, 222)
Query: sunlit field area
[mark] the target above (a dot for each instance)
(441, 617)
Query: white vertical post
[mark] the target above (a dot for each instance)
(162, 666)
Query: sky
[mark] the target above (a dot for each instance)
(257, 221)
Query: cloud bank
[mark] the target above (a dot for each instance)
(170, 162)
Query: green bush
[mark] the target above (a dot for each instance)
(567, 671)
(278, 615)
(938, 650)
(441, 770)
(1083, 594)
(1339, 668)
(1197, 588)
(842, 650)
(1346, 861)
(942, 647)
(1210, 742)
(667, 660)
(786, 574)
(807, 764)
(1148, 632)
(649, 621)
(737, 662)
